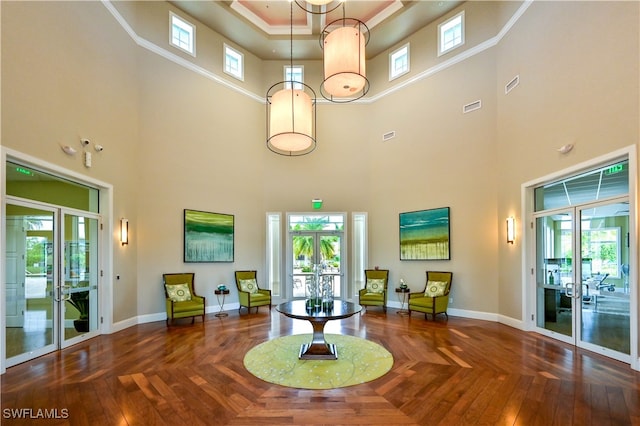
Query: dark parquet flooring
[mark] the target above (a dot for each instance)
(455, 372)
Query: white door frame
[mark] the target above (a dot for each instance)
(529, 241)
(287, 291)
(106, 247)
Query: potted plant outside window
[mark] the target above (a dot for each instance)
(80, 301)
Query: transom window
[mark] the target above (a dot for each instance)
(451, 34)
(317, 222)
(233, 62)
(183, 34)
(295, 74)
(399, 62)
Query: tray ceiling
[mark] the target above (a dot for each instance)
(263, 27)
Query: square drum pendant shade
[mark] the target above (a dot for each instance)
(344, 44)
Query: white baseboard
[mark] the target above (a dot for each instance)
(463, 313)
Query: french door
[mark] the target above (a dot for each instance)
(52, 278)
(315, 249)
(582, 276)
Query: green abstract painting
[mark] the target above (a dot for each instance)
(424, 235)
(208, 237)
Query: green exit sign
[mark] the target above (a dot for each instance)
(616, 168)
(24, 171)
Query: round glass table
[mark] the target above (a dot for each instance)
(318, 316)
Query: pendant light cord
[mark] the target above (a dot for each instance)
(291, 42)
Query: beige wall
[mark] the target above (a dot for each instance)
(69, 73)
(175, 139)
(578, 84)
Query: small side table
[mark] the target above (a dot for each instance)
(402, 294)
(220, 293)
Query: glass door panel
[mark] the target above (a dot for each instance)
(304, 257)
(79, 290)
(604, 319)
(30, 258)
(330, 260)
(582, 284)
(316, 248)
(555, 289)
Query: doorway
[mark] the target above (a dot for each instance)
(582, 261)
(51, 279)
(316, 244)
(52, 271)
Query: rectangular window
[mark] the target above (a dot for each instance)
(399, 62)
(295, 74)
(183, 34)
(360, 253)
(451, 34)
(274, 248)
(233, 62)
(603, 247)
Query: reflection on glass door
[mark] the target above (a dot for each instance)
(79, 288)
(582, 276)
(30, 270)
(554, 273)
(315, 249)
(604, 314)
(52, 282)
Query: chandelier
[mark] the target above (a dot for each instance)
(291, 114)
(343, 42)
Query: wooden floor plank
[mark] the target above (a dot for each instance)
(460, 371)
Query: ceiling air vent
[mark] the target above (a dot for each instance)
(388, 135)
(512, 84)
(472, 106)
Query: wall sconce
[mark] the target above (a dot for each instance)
(316, 203)
(511, 230)
(124, 231)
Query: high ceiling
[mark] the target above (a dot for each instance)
(263, 27)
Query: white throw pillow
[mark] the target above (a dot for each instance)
(178, 292)
(250, 286)
(435, 288)
(375, 285)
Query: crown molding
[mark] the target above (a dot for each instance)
(487, 44)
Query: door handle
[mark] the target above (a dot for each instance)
(61, 295)
(570, 291)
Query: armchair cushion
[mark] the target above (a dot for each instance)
(259, 297)
(250, 286)
(375, 285)
(187, 306)
(435, 288)
(178, 292)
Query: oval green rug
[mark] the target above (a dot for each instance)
(359, 361)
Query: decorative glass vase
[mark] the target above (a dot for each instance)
(319, 290)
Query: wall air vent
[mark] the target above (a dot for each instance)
(512, 84)
(472, 106)
(388, 135)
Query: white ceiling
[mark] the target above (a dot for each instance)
(264, 27)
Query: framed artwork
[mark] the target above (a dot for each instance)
(424, 235)
(208, 237)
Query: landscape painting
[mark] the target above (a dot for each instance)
(208, 237)
(424, 235)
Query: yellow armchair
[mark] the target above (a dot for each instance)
(374, 292)
(434, 299)
(181, 299)
(250, 295)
